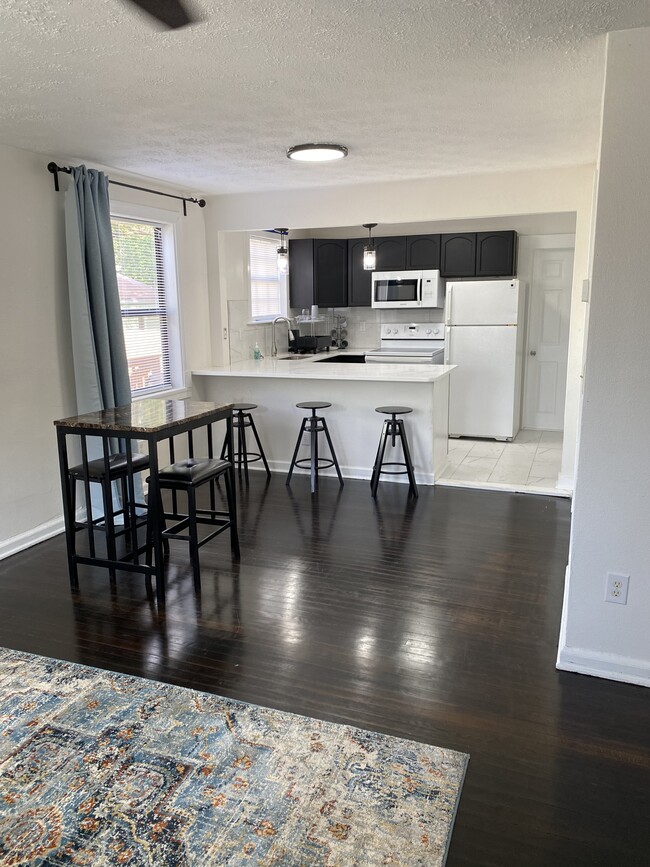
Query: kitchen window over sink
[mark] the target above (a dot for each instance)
(268, 288)
(146, 268)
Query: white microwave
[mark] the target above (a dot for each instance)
(407, 289)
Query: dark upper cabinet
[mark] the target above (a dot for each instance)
(458, 255)
(422, 251)
(496, 254)
(318, 272)
(359, 280)
(391, 253)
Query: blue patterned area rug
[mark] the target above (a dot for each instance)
(101, 769)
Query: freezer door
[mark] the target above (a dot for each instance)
(485, 302)
(482, 391)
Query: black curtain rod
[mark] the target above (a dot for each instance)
(55, 169)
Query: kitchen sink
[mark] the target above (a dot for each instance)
(343, 359)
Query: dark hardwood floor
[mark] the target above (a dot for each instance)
(434, 619)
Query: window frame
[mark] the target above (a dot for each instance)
(167, 221)
(283, 281)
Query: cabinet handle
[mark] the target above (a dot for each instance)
(533, 352)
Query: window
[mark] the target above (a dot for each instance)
(268, 287)
(144, 264)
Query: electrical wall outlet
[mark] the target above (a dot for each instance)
(362, 326)
(616, 588)
(225, 334)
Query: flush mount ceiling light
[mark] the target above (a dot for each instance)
(369, 253)
(316, 153)
(283, 252)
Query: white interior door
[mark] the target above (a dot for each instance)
(548, 339)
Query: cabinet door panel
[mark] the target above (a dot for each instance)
(495, 254)
(458, 255)
(330, 273)
(359, 280)
(391, 253)
(422, 251)
(301, 273)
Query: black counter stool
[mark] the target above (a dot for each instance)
(118, 470)
(394, 430)
(313, 425)
(241, 419)
(189, 475)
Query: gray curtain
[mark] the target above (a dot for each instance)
(100, 366)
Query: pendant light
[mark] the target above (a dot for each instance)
(283, 252)
(369, 252)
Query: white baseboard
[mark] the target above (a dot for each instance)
(608, 665)
(566, 482)
(347, 472)
(31, 537)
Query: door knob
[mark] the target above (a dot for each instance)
(533, 352)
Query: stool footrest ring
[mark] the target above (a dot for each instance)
(305, 463)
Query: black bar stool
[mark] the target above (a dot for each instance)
(241, 419)
(95, 472)
(394, 430)
(313, 425)
(189, 475)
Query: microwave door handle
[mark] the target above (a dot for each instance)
(450, 291)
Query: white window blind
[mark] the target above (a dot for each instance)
(140, 265)
(267, 287)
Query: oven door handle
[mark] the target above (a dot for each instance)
(400, 359)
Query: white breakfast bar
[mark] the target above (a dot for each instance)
(276, 385)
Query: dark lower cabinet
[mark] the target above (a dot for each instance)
(496, 254)
(422, 252)
(458, 255)
(318, 272)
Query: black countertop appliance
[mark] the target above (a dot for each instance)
(303, 344)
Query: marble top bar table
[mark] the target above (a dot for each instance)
(152, 421)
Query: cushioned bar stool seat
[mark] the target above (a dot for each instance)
(95, 472)
(241, 419)
(313, 425)
(393, 430)
(189, 475)
(117, 465)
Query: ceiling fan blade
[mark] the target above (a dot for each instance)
(171, 13)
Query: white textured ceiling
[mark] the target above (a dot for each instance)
(414, 88)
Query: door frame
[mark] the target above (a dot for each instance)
(528, 245)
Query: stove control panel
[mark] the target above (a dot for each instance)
(413, 331)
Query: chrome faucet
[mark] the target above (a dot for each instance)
(274, 349)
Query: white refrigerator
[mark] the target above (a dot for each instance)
(484, 337)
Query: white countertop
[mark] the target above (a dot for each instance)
(314, 367)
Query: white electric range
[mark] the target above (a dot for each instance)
(410, 343)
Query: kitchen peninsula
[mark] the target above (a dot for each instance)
(276, 385)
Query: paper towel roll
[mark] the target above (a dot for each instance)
(314, 311)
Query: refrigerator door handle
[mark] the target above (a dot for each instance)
(448, 346)
(450, 294)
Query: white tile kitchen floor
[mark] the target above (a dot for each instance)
(530, 463)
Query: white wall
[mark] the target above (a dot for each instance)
(611, 517)
(36, 374)
(465, 198)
